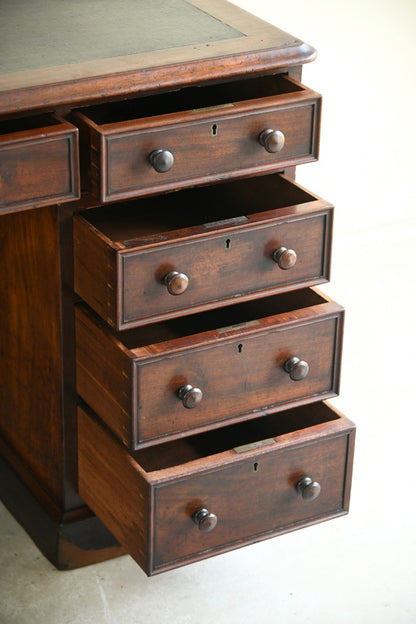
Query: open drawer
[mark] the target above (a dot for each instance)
(179, 253)
(170, 379)
(197, 135)
(196, 497)
(39, 162)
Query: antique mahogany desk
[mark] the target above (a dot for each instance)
(165, 354)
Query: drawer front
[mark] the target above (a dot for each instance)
(226, 249)
(201, 156)
(251, 500)
(224, 266)
(197, 135)
(171, 385)
(236, 377)
(39, 167)
(297, 474)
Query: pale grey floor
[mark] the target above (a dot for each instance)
(360, 569)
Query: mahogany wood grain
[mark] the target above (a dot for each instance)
(37, 369)
(37, 391)
(220, 237)
(151, 512)
(133, 383)
(30, 335)
(108, 479)
(208, 142)
(205, 93)
(38, 166)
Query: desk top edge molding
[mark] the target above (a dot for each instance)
(257, 47)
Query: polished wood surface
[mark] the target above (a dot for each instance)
(30, 390)
(219, 237)
(240, 368)
(184, 264)
(150, 507)
(39, 163)
(209, 133)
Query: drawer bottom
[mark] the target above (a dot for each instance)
(193, 498)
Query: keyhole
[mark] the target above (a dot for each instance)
(255, 466)
(227, 243)
(240, 348)
(214, 130)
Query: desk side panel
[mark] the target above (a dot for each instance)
(31, 387)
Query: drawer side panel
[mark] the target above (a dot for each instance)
(112, 487)
(95, 271)
(103, 376)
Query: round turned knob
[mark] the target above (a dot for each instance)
(176, 282)
(308, 489)
(297, 368)
(190, 396)
(285, 258)
(205, 520)
(272, 140)
(161, 160)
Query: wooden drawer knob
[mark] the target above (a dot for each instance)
(297, 368)
(285, 258)
(205, 520)
(190, 396)
(308, 489)
(161, 160)
(176, 282)
(272, 140)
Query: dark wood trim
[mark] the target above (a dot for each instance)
(66, 543)
(78, 92)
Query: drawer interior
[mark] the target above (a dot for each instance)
(221, 320)
(192, 98)
(22, 124)
(131, 223)
(233, 437)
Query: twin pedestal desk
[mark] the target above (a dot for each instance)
(166, 356)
